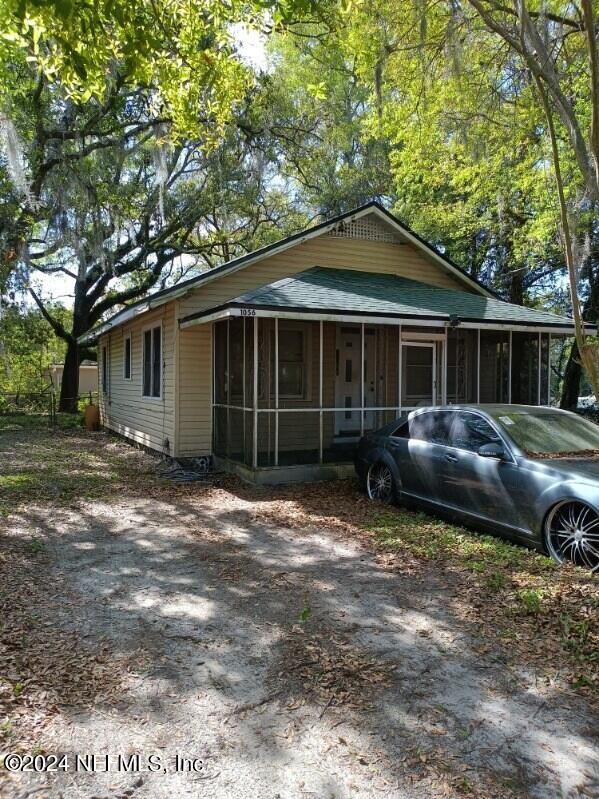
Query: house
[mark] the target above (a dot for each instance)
(275, 363)
(88, 377)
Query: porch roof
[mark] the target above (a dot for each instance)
(328, 291)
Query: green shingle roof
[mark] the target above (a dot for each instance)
(351, 291)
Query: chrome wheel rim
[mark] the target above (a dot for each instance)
(379, 482)
(572, 533)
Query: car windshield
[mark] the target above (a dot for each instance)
(551, 434)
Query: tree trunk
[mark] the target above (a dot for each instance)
(516, 287)
(572, 377)
(70, 380)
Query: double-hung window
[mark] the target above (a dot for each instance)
(294, 360)
(127, 358)
(105, 370)
(152, 362)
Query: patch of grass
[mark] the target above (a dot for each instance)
(531, 600)
(39, 421)
(19, 480)
(434, 539)
(496, 581)
(35, 546)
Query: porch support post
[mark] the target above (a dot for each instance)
(255, 398)
(509, 374)
(243, 388)
(276, 390)
(362, 349)
(213, 392)
(549, 369)
(228, 389)
(444, 371)
(478, 367)
(539, 369)
(399, 368)
(320, 392)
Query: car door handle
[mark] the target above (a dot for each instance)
(451, 458)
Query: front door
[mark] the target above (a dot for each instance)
(418, 374)
(348, 373)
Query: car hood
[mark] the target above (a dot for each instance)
(586, 469)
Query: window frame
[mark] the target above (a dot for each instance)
(305, 328)
(151, 327)
(431, 411)
(128, 338)
(105, 370)
(454, 412)
(491, 422)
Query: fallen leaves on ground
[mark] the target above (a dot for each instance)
(324, 668)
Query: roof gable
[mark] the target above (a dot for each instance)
(370, 221)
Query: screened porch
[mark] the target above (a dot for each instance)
(300, 392)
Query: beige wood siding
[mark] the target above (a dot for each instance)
(194, 434)
(184, 415)
(147, 421)
(338, 253)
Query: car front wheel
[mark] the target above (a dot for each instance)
(572, 533)
(380, 483)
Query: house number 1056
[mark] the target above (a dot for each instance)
(248, 312)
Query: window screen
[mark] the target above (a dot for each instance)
(105, 370)
(127, 358)
(293, 361)
(152, 362)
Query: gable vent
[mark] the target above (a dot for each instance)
(367, 227)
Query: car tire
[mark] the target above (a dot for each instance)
(571, 532)
(380, 483)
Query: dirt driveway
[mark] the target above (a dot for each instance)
(288, 654)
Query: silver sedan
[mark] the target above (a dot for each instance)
(529, 473)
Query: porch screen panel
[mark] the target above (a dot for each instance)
(248, 362)
(494, 365)
(381, 376)
(340, 435)
(235, 357)
(220, 363)
(299, 437)
(545, 369)
(462, 365)
(219, 432)
(525, 368)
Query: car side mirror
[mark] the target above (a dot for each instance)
(492, 450)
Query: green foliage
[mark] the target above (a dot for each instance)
(531, 600)
(27, 347)
(315, 106)
(184, 52)
(468, 149)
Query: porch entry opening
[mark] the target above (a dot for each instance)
(419, 373)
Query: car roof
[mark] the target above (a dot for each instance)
(492, 408)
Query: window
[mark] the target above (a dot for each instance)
(127, 358)
(152, 362)
(105, 370)
(432, 427)
(293, 361)
(471, 431)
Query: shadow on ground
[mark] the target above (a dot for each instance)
(291, 661)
